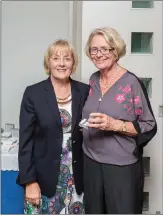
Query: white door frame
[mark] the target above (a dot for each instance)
(75, 32)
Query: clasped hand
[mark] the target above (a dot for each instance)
(33, 193)
(100, 121)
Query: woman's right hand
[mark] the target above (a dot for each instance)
(33, 193)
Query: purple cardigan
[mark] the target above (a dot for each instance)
(126, 100)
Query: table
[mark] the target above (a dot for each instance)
(12, 195)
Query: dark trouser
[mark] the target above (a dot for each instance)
(112, 189)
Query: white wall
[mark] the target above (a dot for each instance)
(120, 15)
(28, 27)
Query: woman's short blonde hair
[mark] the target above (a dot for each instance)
(113, 39)
(57, 46)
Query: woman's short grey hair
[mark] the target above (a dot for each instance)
(57, 46)
(113, 39)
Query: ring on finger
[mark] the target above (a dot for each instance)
(34, 201)
(102, 127)
(27, 199)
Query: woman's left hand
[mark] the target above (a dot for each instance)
(99, 120)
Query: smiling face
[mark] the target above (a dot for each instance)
(61, 64)
(101, 53)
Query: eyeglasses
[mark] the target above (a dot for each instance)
(103, 50)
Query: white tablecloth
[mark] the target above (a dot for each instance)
(9, 160)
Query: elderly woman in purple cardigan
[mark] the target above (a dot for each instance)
(120, 124)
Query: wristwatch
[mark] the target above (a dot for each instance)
(124, 126)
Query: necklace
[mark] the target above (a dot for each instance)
(64, 102)
(62, 99)
(111, 81)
